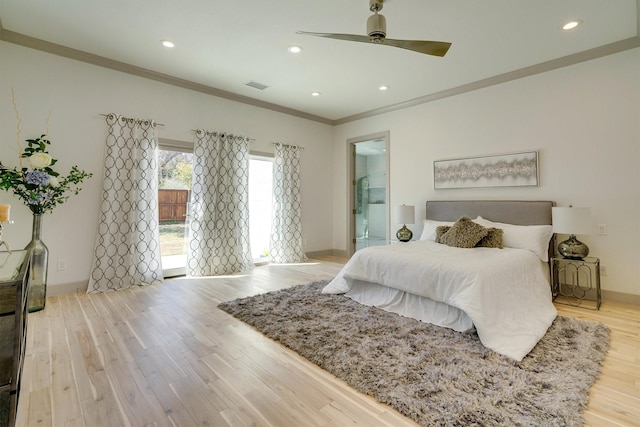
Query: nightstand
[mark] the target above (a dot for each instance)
(576, 281)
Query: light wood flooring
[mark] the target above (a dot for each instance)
(166, 356)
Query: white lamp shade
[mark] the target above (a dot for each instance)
(405, 214)
(571, 220)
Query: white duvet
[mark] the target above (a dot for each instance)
(504, 291)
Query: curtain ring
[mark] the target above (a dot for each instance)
(112, 118)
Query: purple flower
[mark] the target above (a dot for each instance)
(37, 178)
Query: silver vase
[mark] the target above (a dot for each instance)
(38, 270)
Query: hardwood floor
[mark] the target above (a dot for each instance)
(166, 356)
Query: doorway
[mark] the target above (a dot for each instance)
(369, 195)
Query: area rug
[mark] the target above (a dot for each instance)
(433, 375)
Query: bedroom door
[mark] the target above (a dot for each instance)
(369, 212)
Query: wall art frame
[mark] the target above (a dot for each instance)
(502, 170)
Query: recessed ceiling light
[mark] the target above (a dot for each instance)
(383, 87)
(167, 43)
(294, 49)
(315, 93)
(570, 25)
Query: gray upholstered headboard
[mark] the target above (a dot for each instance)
(519, 212)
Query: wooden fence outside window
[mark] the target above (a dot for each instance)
(172, 205)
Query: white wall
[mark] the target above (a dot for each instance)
(583, 119)
(585, 122)
(78, 93)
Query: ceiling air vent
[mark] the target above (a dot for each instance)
(257, 85)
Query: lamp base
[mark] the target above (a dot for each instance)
(404, 234)
(573, 248)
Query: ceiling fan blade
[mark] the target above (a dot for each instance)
(422, 46)
(348, 37)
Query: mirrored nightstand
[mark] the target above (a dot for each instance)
(576, 281)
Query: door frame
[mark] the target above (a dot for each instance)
(351, 185)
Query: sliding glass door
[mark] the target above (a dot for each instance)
(174, 176)
(260, 206)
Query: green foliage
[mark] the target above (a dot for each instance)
(183, 172)
(175, 170)
(40, 187)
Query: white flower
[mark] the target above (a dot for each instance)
(53, 181)
(39, 160)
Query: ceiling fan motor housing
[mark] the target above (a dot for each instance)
(377, 28)
(375, 5)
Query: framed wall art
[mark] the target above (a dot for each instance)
(503, 170)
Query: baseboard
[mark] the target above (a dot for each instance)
(327, 252)
(67, 288)
(620, 297)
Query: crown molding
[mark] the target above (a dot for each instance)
(101, 61)
(78, 55)
(576, 58)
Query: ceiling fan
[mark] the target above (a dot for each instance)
(377, 34)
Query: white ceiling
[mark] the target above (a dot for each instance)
(224, 44)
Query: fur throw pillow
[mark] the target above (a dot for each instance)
(493, 239)
(440, 231)
(464, 233)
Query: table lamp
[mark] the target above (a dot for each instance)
(4, 218)
(572, 221)
(405, 215)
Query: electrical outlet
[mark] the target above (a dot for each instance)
(62, 264)
(602, 229)
(603, 270)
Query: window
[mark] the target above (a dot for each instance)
(175, 166)
(260, 206)
(174, 178)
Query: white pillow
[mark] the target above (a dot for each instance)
(429, 230)
(532, 237)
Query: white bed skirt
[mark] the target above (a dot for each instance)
(410, 305)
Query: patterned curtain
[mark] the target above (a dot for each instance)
(127, 251)
(219, 208)
(286, 229)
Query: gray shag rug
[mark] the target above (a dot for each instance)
(433, 375)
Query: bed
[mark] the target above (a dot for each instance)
(501, 293)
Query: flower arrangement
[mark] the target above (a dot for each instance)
(39, 186)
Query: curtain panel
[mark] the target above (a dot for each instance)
(127, 250)
(219, 208)
(286, 229)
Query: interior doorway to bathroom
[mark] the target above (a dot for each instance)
(369, 195)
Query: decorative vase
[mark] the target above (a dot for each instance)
(38, 270)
